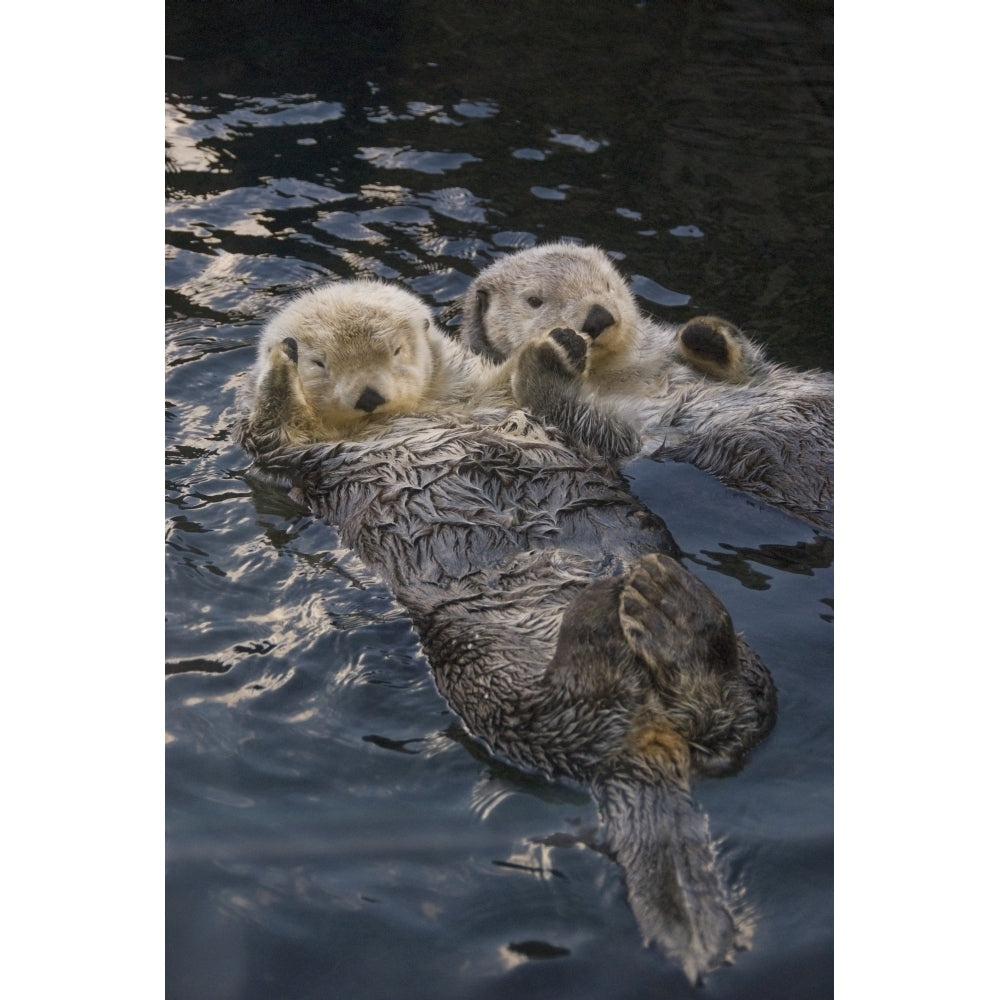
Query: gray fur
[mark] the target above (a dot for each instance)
(559, 626)
(700, 393)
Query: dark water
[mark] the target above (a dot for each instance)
(331, 832)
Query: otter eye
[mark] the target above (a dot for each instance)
(316, 361)
(534, 301)
(395, 353)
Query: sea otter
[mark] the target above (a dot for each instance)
(557, 620)
(342, 358)
(701, 392)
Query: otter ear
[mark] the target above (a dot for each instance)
(427, 324)
(474, 327)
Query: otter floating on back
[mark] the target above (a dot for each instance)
(557, 621)
(338, 361)
(700, 393)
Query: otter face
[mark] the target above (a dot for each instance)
(362, 351)
(531, 292)
(375, 367)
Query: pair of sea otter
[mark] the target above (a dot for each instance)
(478, 478)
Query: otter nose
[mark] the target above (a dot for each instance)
(597, 321)
(368, 400)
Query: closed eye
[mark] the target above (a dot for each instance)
(316, 361)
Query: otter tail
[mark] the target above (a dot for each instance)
(675, 889)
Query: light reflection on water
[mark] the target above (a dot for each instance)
(330, 831)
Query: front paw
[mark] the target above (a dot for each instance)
(571, 349)
(280, 413)
(713, 346)
(560, 352)
(283, 357)
(291, 349)
(548, 367)
(549, 379)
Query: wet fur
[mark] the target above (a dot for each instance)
(556, 619)
(701, 392)
(340, 360)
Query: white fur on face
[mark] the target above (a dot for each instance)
(557, 285)
(363, 350)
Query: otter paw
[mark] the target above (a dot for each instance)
(554, 358)
(673, 622)
(291, 349)
(573, 348)
(284, 354)
(712, 346)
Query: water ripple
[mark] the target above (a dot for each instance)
(422, 161)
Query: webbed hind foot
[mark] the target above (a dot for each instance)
(673, 622)
(711, 687)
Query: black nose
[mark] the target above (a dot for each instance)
(597, 321)
(368, 400)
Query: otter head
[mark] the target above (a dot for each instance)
(362, 349)
(531, 292)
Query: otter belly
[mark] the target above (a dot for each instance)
(561, 628)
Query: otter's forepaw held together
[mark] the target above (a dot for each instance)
(548, 368)
(283, 357)
(291, 349)
(280, 414)
(550, 379)
(714, 347)
(561, 353)
(571, 347)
